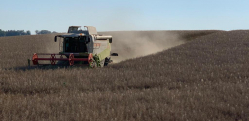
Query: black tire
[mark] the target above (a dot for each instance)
(107, 60)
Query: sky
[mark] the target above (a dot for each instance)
(119, 15)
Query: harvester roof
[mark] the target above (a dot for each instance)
(72, 35)
(75, 26)
(75, 29)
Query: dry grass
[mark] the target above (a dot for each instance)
(204, 79)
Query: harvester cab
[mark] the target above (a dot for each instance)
(80, 47)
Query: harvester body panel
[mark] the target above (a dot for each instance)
(102, 48)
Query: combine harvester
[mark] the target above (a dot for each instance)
(80, 47)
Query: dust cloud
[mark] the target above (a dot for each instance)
(135, 44)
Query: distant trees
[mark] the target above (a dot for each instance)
(2, 33)
(22, 32)
(44, 32)
(28, 32)
(13, 33)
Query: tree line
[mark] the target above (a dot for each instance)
(44, 32)
(22, 32)
(13, 33)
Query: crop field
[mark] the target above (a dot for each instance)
(159, 75)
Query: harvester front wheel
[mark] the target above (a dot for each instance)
(92, 63)
(102, 63)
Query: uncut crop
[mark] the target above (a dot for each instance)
(203, 79)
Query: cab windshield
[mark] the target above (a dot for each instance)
(75, 44)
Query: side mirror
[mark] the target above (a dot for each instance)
(110, 40)
(114, 54)
(55, 39)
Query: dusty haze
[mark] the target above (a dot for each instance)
(137, 43)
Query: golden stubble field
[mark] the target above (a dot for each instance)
(204, 77)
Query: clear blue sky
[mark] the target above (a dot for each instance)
(111, 15)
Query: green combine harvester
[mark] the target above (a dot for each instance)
(80, 47)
